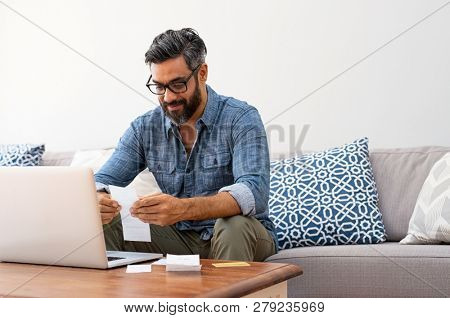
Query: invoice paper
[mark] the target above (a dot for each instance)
(133, 228)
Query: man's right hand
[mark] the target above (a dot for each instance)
(109, 208)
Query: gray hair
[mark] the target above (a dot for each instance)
(171, 44)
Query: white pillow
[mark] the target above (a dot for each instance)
(144, 183)
(430, 222)
(93, 159)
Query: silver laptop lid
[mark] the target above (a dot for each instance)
(49, 215)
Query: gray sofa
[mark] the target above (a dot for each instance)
(379, 270)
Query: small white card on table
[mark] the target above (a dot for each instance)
(139, 268)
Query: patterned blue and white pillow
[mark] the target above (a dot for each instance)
(326, 198)
(22, 155)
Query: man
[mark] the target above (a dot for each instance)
(209, 155)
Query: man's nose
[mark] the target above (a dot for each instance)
(169, 96)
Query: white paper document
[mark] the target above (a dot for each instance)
(161, 261)
(133, 228)
(183, 263)
(139, 268)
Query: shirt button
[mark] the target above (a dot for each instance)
(188, 170)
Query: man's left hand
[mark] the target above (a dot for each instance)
(160, 209)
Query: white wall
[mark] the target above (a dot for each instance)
(270, 53)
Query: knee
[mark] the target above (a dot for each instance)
(232, 227)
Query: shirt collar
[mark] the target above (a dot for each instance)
(211, 110)
(209, 114)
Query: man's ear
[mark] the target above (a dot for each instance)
(203, 73)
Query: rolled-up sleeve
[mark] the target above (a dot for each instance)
(251, 164)
(243, 196)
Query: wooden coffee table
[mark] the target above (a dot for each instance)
(256, 280)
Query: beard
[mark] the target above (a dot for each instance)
(190, 106)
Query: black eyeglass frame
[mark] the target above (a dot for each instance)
(168, 86)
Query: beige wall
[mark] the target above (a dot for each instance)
(270, 53)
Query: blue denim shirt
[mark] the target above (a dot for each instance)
(230, 154)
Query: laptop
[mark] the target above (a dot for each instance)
(49, 215)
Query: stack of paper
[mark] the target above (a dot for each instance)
(183, 263)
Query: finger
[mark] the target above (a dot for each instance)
(108, 214)
(107, 217)
(103, 195)
(148, 201)
(147, 218)
(106, 221)
(109, 202)
(150, 195)
(106, 208)
(145, 210)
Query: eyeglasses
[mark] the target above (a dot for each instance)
(180, 86)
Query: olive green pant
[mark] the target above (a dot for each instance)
(237, 238)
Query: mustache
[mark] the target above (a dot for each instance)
(176, 102)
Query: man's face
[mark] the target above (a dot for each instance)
(177, 106)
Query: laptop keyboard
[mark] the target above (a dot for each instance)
(111, 258)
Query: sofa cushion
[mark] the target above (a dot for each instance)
(430, 222)
(379, 270)
(326, 198)
(399, 175)
(22, 155)
(57, 158)
(387, 249)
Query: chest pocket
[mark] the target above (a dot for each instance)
(164, 172)
(217, 170)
